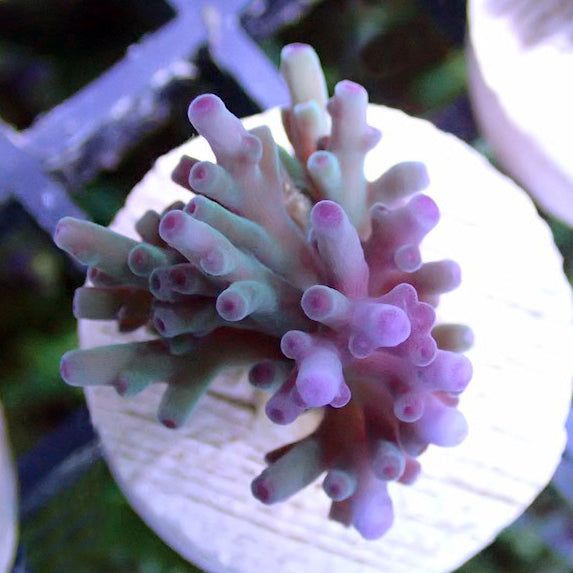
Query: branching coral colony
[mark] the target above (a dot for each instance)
(333, 309)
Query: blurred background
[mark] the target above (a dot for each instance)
(69, 147)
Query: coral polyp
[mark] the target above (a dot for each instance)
(298, 268)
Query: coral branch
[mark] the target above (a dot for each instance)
(339, 247)
(306, 120)
(325, 308)
(398, 184)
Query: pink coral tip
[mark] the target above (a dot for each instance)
(171, 224)
(327, 215)
(203, 105)
(65, 369)
(261, 490)
(169, 424)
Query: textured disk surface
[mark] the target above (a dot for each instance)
(192, 485)
(521, 58)
(8, 507)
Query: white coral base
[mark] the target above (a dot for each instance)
(192, 486)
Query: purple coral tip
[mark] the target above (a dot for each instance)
(326, 215)
(203, 105)
(171, 224)
(339, 484)
(262, 490)
(295, 47)
(409, 407)
(232, 306)
(315, 303)
(425, 211)
(295, 344)
(65, 368)
(262, 375)
(349, 87)
(199, 173)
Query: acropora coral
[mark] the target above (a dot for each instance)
(300, 269)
